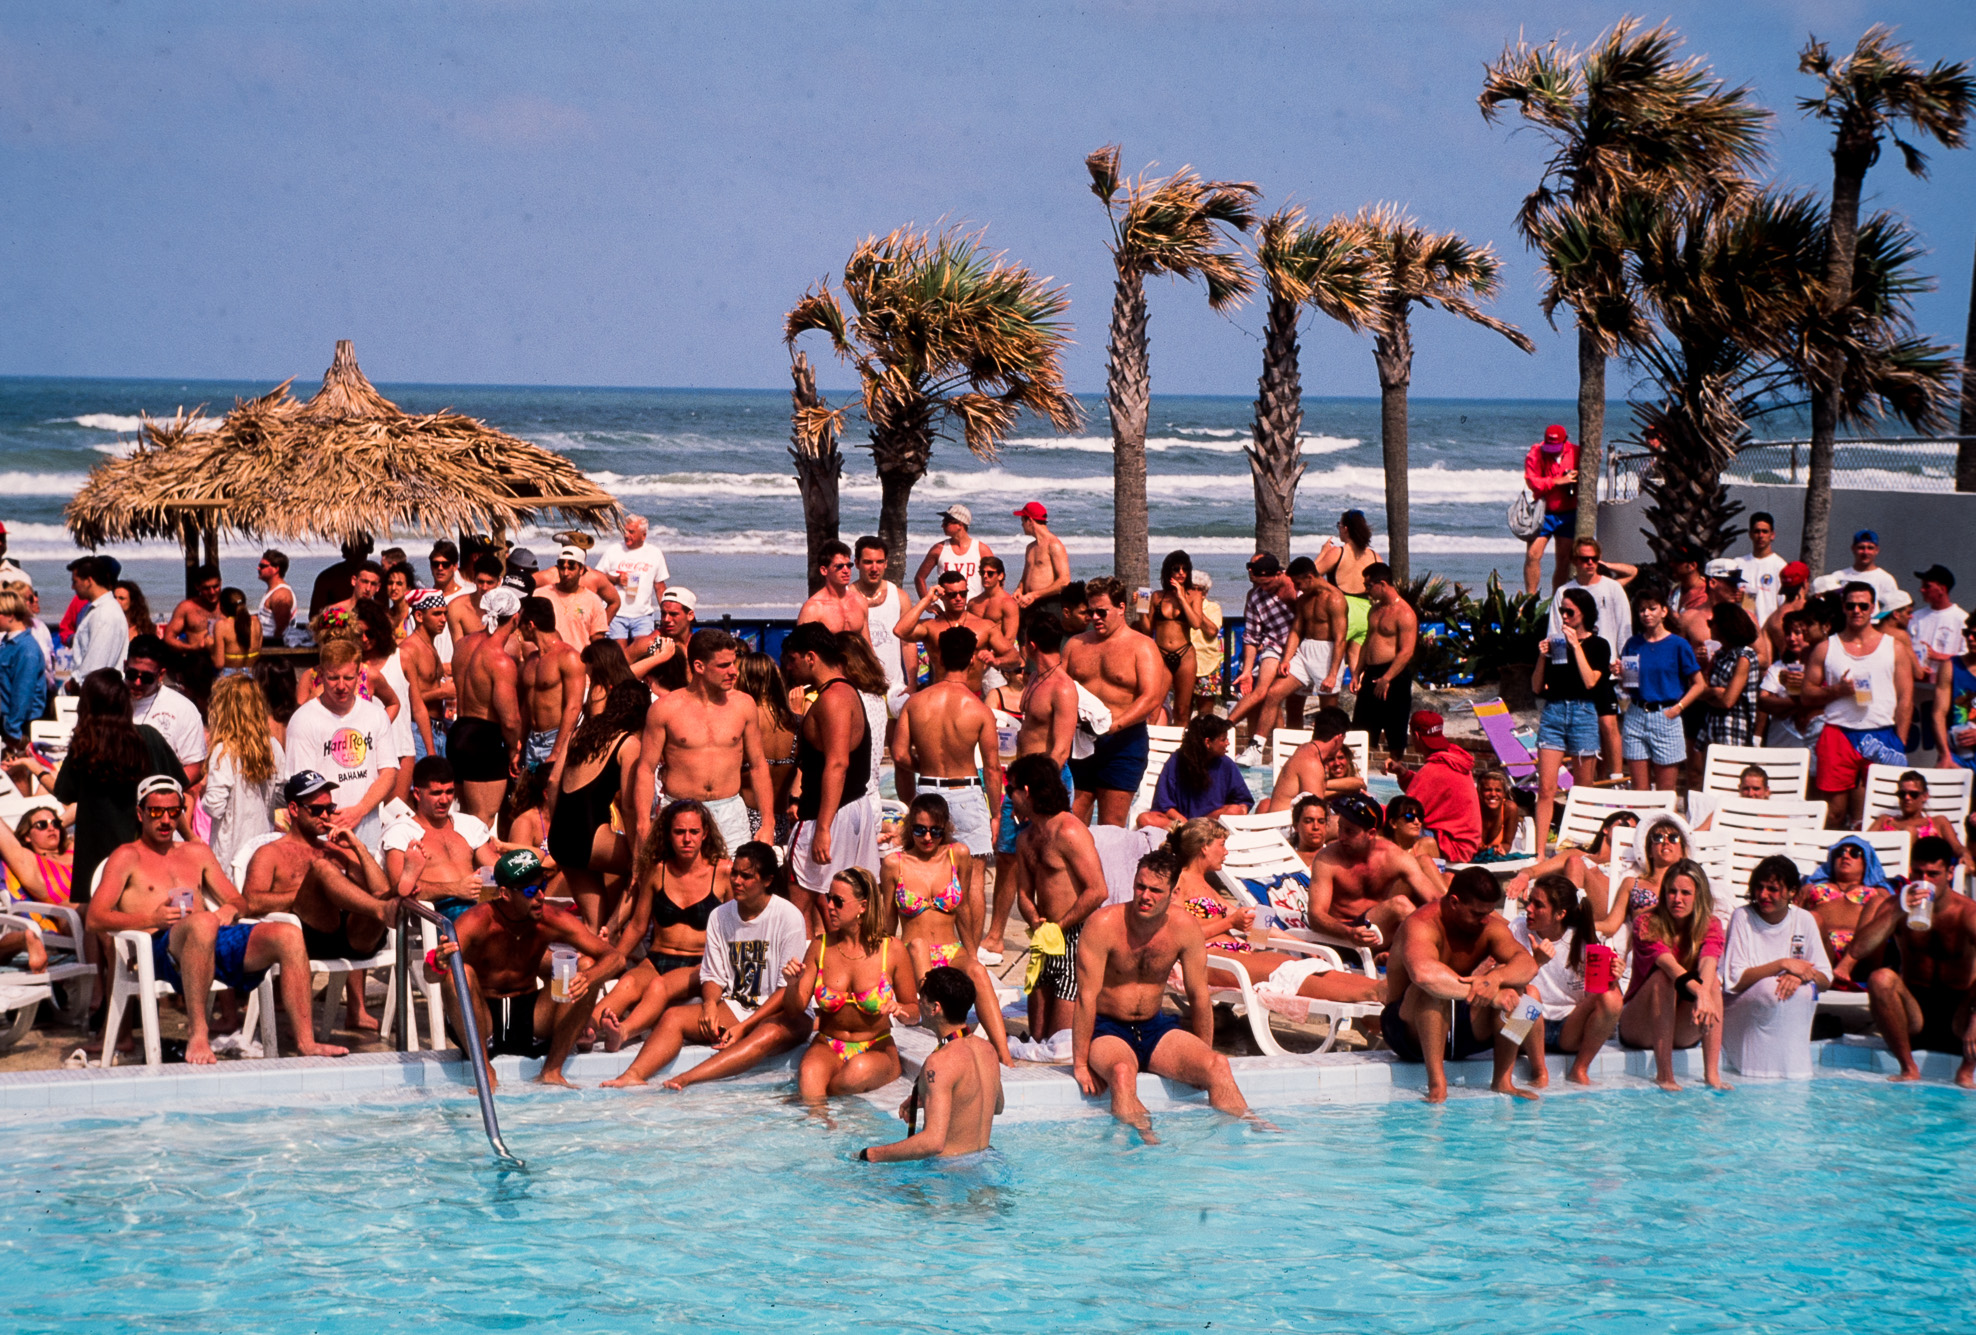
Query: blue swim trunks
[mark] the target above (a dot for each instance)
(1009, 827)
(1117, 761)
(1556, 522)
(1142, 1036)
(229, 959)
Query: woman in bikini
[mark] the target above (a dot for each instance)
(598, 772)
(236, 636)
(761, 681)
(1172, 615)
(1343, 563)
(1842, 894)
(688, 881)
(926, 882)
(858, 983)
(1201, 846)
(40, 866)
(1657, 848)
(1406, 826)
(1911, 791)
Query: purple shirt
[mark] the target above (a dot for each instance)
(1226, 788)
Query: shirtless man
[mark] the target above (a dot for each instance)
(1313, 656)
(1931, 999)
(1791, 582)
(1385, 681)
(959, 551)
(1065, 880)
(946, 744)
(323, 875)
(1456, 949)
(1308, 766)
(1045, 564)
(463, 616)
(554, 684)
(485, 741)
(951, 596)
(431, 856)
(1049, 723)
(1122, 668)
(996, 607)
(1123, 960)
(190, 947)
(837, 606)
(960, 1083)
(445, 565)
(425, 674)
(702, 736)
(1363, 886)
(191, 627)
(505, 947)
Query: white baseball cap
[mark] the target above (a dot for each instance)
(576, 554)
(682, 595)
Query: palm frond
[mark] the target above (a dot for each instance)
(1441, 269)
(1880, 85)
(1103, 166)
(1178, 225)
(1331, 268)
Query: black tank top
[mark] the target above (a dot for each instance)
(809, 763)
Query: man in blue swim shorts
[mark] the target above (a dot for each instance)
(156, 885)
(1124, 955)
(1122, 668)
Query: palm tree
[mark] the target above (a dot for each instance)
(942, 332)
(1329, 269)
(813, 430)
(1965, 449)
(1417, 267)
(1628, 122)
(1863, 98)
(1172, 225)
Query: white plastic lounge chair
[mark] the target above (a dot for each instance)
(1240, 993)
(1809, 848)
(1161, 743)
(1586, 808)
(1789, 768)
(1283, 741)
(1266, 859)
(67, 935)
(1279, 821)
(1948, 792)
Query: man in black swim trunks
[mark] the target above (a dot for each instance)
(324, 876)
(1456, 949)
(1122, 668)
(1124, 956)
(485, 741)
(1385, 676)
(505, 944)
(1929, 1000)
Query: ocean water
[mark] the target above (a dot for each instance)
(710, 469)
(1831, 1205)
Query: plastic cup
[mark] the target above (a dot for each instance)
(1862, 694)
(562, 968)
(1601, 969)
(1629, 672)
(1516, 1025)
(1560, 649)
(181, 898)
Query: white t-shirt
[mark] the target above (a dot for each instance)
(1939, 633)
(1763, 581)
(746, 958)
(643, 567)
(1559, 988)
(402, 833)
(883, 620)
(177, 721)
(1752, 941)
(349, 750)
(1883, 582)
(1615, 612)
(1784, 731)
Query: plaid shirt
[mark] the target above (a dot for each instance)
(1266, 621)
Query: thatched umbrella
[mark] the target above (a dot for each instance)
(348, 463)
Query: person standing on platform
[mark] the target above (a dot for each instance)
(1550, 470)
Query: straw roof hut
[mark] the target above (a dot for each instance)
(348, 463)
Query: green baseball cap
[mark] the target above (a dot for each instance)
(518, 867)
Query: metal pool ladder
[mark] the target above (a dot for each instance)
(476, 1052)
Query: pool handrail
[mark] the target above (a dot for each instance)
(470, 1027)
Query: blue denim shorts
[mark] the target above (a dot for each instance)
(1649, 734)
(632, 627)
(1570, 726)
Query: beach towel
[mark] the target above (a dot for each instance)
(1048, 940)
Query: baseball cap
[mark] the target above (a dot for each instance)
(1034, 510)
(159, 783)
(1431, 729)
(576, 554)
(682, 595)
(1893, 603)
(1723, 567)
(1795, 574)
(1265, 563)
(500, 604)
(424, 600)
(523, 559)
(303, 784)
(1934, 574)
(1865, 535)
(518, 867)
(1359, 809)
(960, 514)
(1555, 438)
(1828, 584)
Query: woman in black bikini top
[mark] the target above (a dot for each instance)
(688, 881)
(581, 839)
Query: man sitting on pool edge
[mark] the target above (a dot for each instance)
(1456, 950)
(1124, 954)
(505, 946)
(959, 1086)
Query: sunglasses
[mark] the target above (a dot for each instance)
(44, 825)
(529, 891)
(927, 831)
(321, 808)
(1413, 818)
(1664, 837)
(1859, 607)
(139, 677)
(162, 813)
(1909, 792)
(1849, 851)
(838, 901)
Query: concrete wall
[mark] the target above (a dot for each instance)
(1916, 529)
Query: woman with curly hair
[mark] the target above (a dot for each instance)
(687, 881)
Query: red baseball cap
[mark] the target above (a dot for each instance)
(1795, 573)
(1034, 510)
(1429, 727)
(1555, 437)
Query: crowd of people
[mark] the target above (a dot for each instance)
(649, 834)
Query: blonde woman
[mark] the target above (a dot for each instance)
(1675, 997)
(858, 983)
(243, 766)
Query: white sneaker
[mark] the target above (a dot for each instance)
(987, 956)
(1251, 758)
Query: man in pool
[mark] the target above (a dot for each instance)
(1362, 884)
(505, 946)
(1065, 881)
(1930, 999)
(959, 1088)
(190, 947)
(1124, 956)
(1456, 950)
(1305, 770)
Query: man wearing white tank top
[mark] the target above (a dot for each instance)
(888, 604)
(1868, 697)
(959, 550)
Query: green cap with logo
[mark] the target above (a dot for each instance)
(517, 867)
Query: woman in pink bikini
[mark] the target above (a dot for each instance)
(858, 983)
(926, 882)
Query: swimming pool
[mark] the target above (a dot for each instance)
(1837, 1203)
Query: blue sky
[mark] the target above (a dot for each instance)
(633, 194)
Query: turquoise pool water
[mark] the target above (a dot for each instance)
(1834, 1205)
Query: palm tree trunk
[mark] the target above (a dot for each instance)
(1591, 431)
(895, 490)
(1275, 462)
(901, 446)
(1393, 351)
(1128, 386)
(1851, 156)
(1965, 449)
(819, 466)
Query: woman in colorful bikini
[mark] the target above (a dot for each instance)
(1843, 893)
(1657, 848)
(926, 882)
(1172, 614)
(40, 866)
(858, 983)
(1911, 791)
(688, 881)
